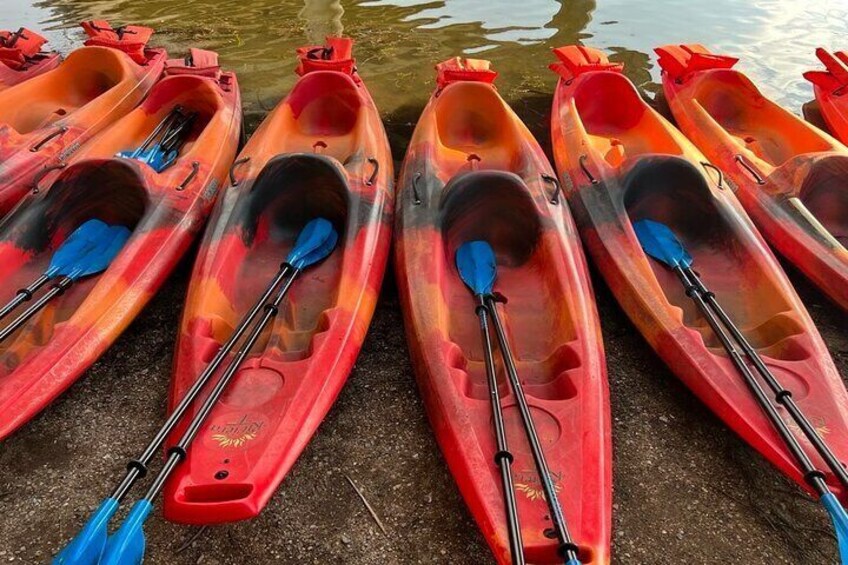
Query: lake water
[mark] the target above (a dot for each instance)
(398, 41)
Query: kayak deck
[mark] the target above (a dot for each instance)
(322, 152)
(474, 172)
(790, 176)
(662, 177)
(163, 210)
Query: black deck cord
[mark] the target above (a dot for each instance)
(782, 395)
(503, 457)
(814, 477)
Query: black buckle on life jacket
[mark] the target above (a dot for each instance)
(326, 53)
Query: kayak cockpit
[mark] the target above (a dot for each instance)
(674, 192)
(497, 207)
(754, 122)
(289, 191)
(86, 74)
(109, 191)
(618, 123)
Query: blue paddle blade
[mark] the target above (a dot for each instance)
(659, 242)
(88, 545)
(316, 240)
(126, 546)
(98, 258)
(573, 562)
(477, 267)
(155, 156)
(81, 240)
(840, 523)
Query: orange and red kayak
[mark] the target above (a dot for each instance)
(322, 152)
(22, 58)
(831, 87)
(473, 171)
(46, 119)
(791, 178)
(165, 211)
(620, 162)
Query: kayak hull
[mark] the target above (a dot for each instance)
(790, 177)
(473, 171)
(321, 152)
(165, 211)
(619, 167)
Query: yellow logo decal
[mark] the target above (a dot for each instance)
(527, 483)
(236, 434)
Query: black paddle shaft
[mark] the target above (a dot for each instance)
(177, 453)
(503, 457)
(137, 468)
(23, 295)
(782, 396)
(814, 477)
(568, 549)
(56, 290)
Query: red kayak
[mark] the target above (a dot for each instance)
(165, 211)
(322, 152)
(46, 119)
(621, 162)
(831, 88)
(21, 57)
(474, 172)
(791, 177)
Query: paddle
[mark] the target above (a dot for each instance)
(171, 133)
(91, 546)
(478, 267)
(92, 260)
(660, 242)
(475, 262)
(71, 251)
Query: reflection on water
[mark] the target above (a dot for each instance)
(321, 18)
(398, 41)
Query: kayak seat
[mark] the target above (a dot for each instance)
(825, 194)
(85, 75)
(472, 119)
(756, 123)
(323, 106)
(674, 192)
(289, 191)
(103, 189)
(618, 121)
(497, 207)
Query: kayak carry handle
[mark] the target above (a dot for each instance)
(554, 199)
(61, 131)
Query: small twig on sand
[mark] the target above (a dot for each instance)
(367, 505)
(191, 540)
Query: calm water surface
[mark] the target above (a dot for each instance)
(400, 40)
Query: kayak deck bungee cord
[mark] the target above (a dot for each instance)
(621, 162)
(473, 172)
(791, 177)
(163, 210)
(21, 57)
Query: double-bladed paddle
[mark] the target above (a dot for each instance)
(661, 243)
